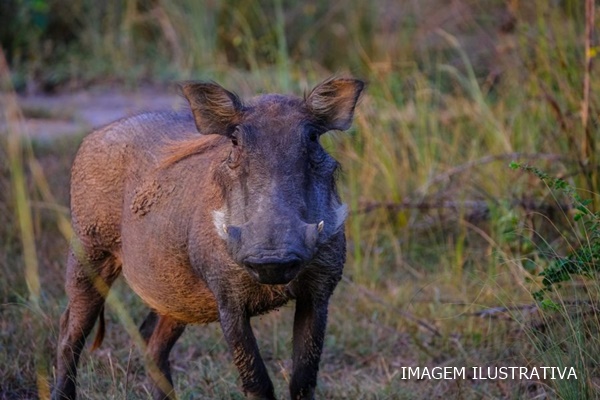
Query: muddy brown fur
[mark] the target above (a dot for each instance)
(218, 213)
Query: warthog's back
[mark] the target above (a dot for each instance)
(109, 159)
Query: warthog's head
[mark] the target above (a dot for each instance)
(278, 182)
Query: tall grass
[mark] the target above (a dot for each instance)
(566, 334)
(445, 241)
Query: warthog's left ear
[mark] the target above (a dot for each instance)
(333, 102)
(215, 110)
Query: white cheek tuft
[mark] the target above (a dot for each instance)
(219, 222)
(340, 216)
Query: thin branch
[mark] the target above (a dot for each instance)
(479, 207)
(459, 169)
(531, 308)
(495, 311)
(587, 145)
(404, 314)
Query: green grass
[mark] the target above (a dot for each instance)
(440, 228)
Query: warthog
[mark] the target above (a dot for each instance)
(218, 214)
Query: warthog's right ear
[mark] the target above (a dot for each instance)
(215, 110)
(333, 102)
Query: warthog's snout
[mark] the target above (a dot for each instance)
(277, 255)
(273, 271)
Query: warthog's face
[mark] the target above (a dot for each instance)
(278, 182)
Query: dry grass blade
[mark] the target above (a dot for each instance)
(16, 135)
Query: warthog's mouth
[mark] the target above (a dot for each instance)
(273, 271)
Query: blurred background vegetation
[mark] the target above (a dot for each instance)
(446, 242)
(58, 42)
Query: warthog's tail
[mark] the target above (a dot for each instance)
(101, 330)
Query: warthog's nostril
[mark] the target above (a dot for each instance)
(273, 266)
(274, 272)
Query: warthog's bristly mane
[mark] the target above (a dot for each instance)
(177, 150)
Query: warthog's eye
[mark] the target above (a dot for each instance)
(234, 158)
(313, 132)
(236, 152)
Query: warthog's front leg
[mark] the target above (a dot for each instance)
(312, 292)
(242, 344)
(310, 322)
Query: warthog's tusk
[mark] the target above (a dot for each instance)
(224, 228)
(320, 226)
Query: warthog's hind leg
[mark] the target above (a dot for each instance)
(87, 285)
(148, 325)
(160, 333)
